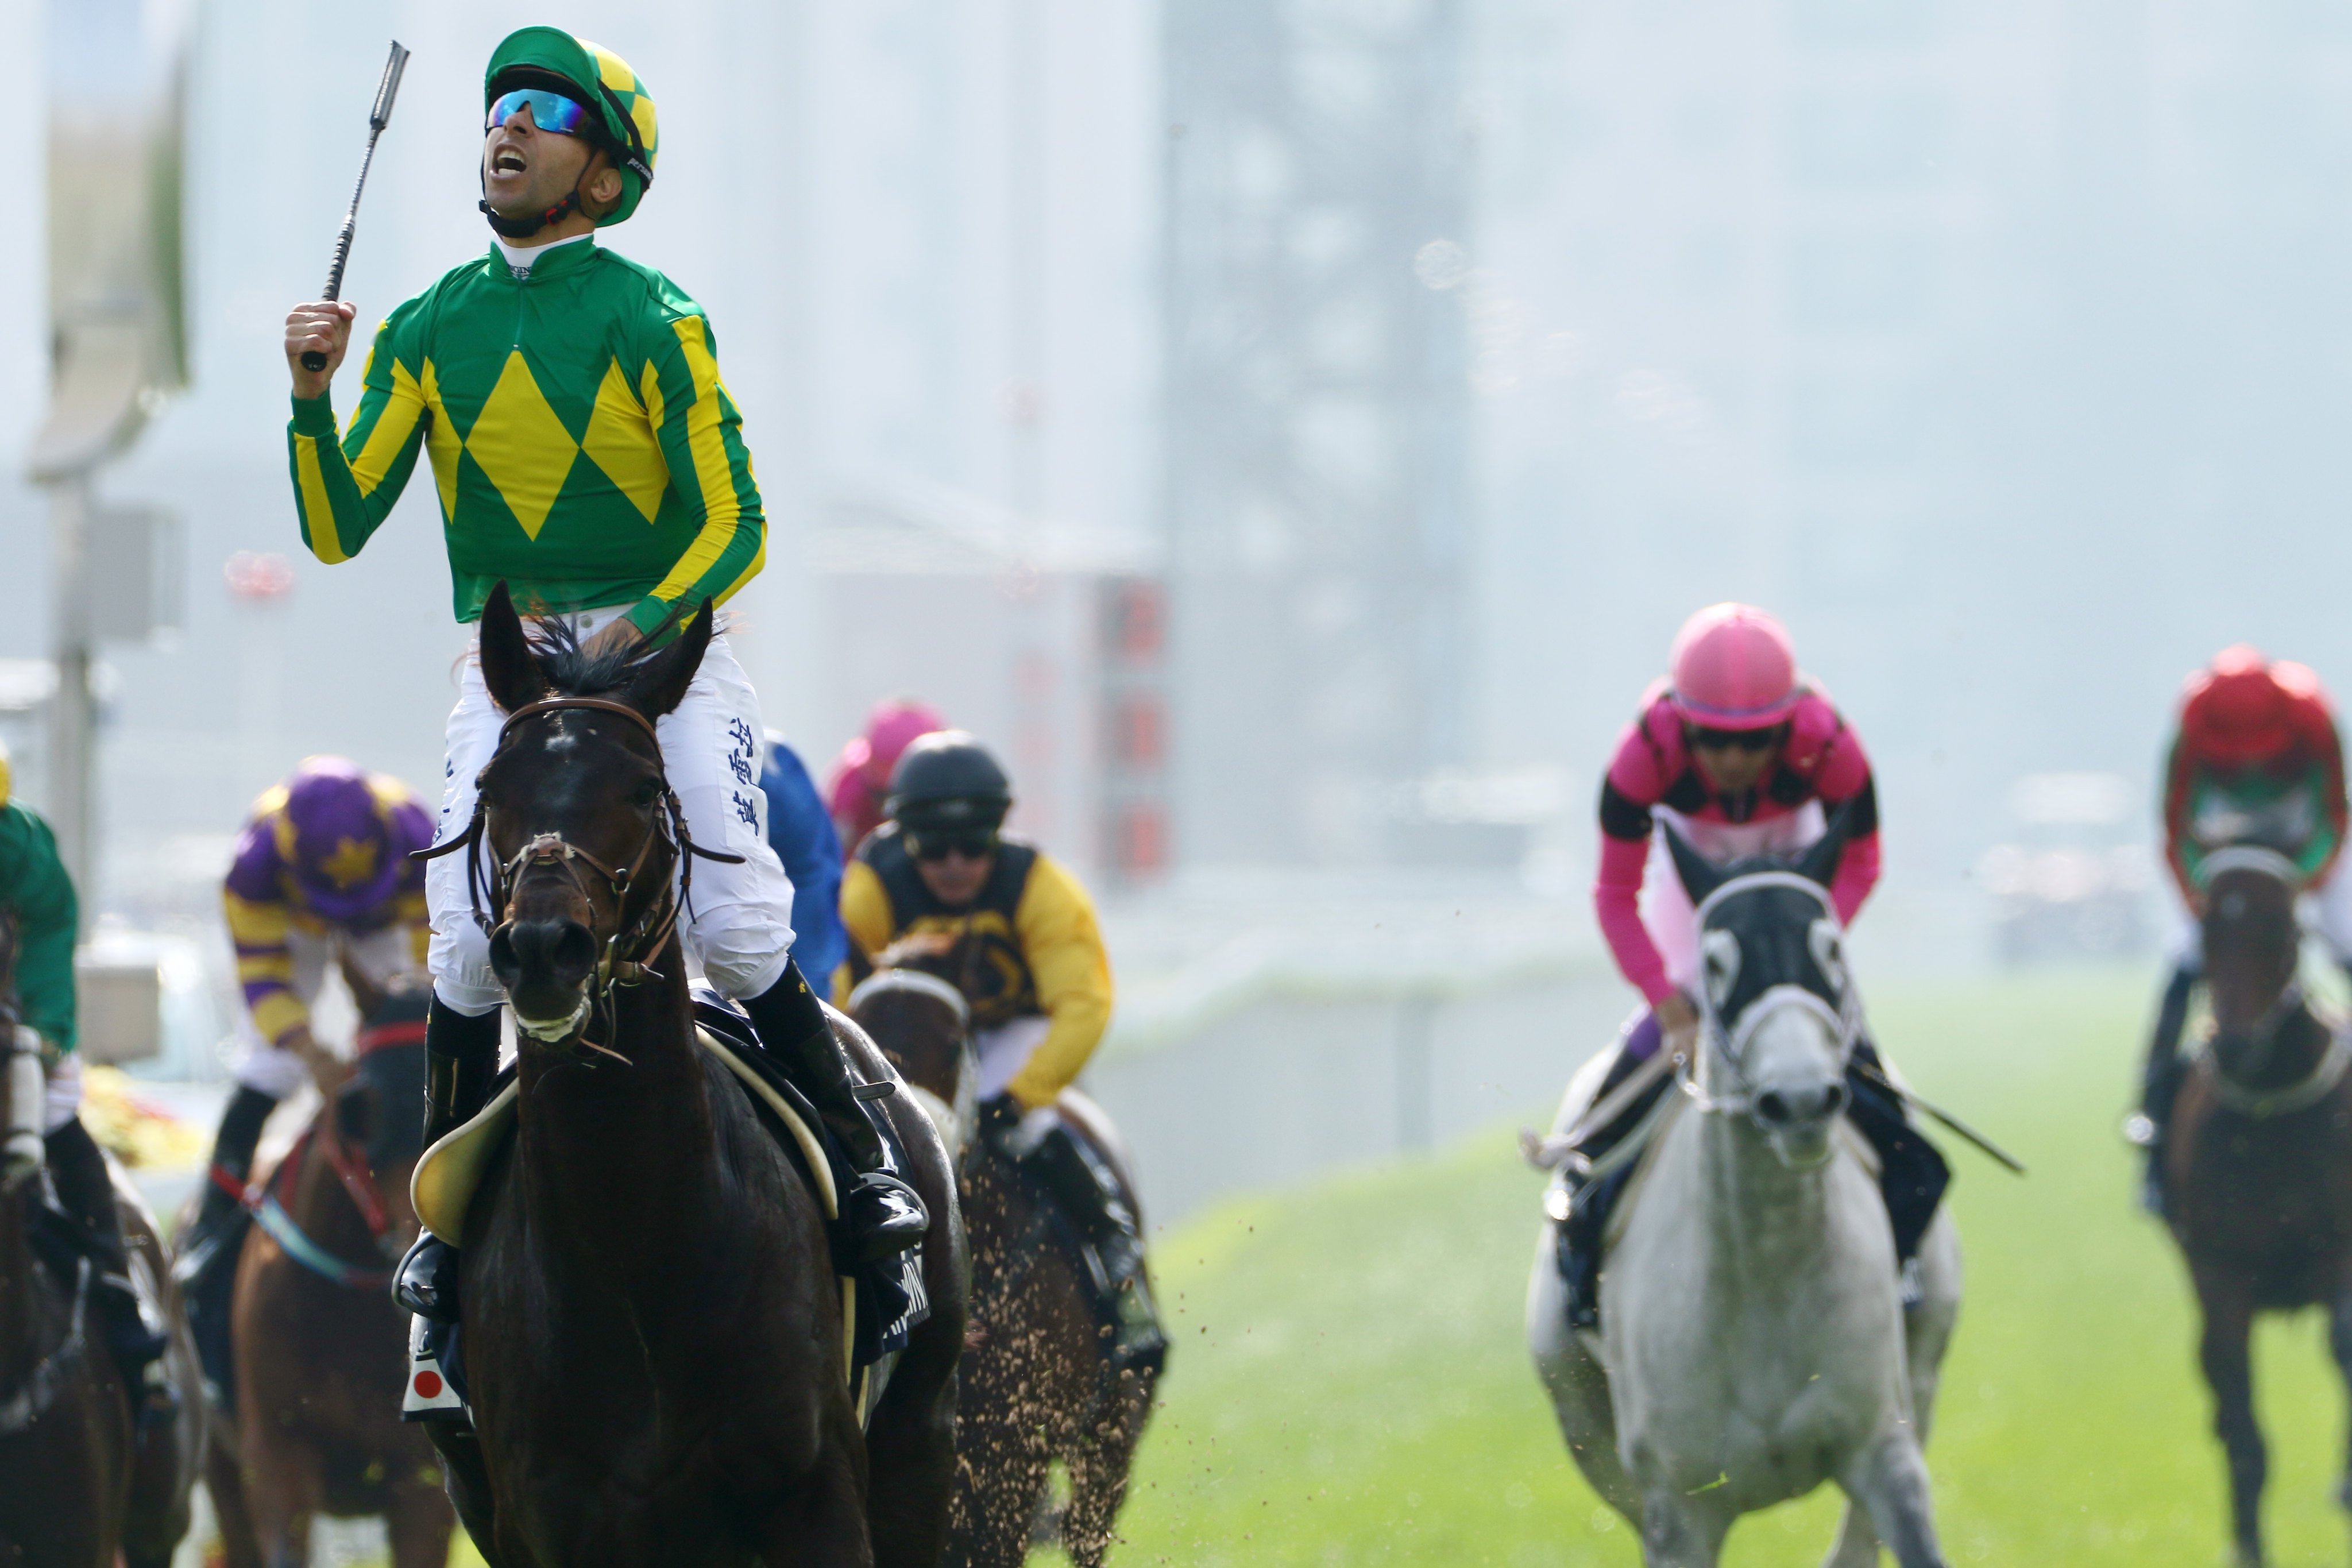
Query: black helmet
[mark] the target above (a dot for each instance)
(948, 779)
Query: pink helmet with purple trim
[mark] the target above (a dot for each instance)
(1732, 668)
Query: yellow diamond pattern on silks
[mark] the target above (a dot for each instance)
(441, 443)
(521, 446)
(621, 442)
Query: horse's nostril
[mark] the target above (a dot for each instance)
(557, 950)
(1771, 1107)
(1835, 1101)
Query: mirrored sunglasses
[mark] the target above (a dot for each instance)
(1706, 738)
(549, 111)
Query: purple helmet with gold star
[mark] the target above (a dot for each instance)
(332, 834)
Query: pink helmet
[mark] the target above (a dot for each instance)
(894, 726)
(1732, 668)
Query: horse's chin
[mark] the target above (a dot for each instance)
(556, 1026)
(1800, 1148)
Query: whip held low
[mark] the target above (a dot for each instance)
(379, 116)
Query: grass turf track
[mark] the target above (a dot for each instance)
(1348, 1386)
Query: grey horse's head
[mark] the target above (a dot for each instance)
(1779, 1006)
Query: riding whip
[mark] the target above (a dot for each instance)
(2000, 1156)
(379, 117)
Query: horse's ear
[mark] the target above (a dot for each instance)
(508, 667)
(1818, 862)
(659, 683)
(1699, 875)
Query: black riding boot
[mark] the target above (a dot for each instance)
(461, 1059)
(1590, 1200)
(882, 1214)
(86, 1192)
(205, 1259)
(2160, 1084)
(1089, 1195)
(1912, 1175)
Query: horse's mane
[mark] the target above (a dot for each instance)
(570, 670)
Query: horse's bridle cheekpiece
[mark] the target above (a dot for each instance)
(623, 960)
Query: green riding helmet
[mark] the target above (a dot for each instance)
(603, 81)
(948, 781)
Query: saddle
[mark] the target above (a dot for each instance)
(451, 1170)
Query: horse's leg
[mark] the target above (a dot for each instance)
(2225, 1352)
(467, 1477)
(417, 1525)
(1098, 1465)
(2339, 1341)
(225, 1479)
(1675, 1534)
(911, 1451)
(283, 1491)
(1889, 1482)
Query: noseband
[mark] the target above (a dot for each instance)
(622, 959)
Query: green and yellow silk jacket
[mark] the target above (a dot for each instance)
(584, 446)
(38, 897)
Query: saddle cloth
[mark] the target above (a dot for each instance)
(449, 1174)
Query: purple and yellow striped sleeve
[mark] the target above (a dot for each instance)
(344, 488)
(701, 435)
(265, 964)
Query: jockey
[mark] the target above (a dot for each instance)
(2256, 760)
(802, 835)
(320, 874)
(37, 896)
(861, 775)
(941, 864)
(1742, 755)
(587, 453)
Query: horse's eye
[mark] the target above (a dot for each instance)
(648, 793)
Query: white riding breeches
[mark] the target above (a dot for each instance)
(381, 956)
(60, 1093)
(737, 923)
(1004, 1051)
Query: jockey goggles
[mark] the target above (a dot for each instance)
(549, 111)
(1707, 738)
(971, 843)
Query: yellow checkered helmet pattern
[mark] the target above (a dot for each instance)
(610, 85)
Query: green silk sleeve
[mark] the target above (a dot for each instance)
(344, 489)
(35, 889)
(701, 435)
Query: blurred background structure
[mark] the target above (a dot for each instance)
(1291, 431)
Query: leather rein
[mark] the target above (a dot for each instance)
(623, 958)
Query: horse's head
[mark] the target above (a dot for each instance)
(914, 1007)
(1778, 1002)
(377, 1132)
(2252, 943)
(577, 816)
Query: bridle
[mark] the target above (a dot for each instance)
(623, 961)
(2262, 1036)
(1730, 1048)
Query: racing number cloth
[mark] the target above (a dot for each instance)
(1041, 950)
(584, 446)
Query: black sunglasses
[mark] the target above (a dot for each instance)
(1704, 738)
(970, 843)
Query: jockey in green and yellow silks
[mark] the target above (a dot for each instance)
(37, 898)
(586, 452)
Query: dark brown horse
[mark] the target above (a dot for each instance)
(320, 1348)
(652, 1334)
(1038, 1385)
(2259, 1165)
(80, 1486)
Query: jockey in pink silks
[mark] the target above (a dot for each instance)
(1742, 755)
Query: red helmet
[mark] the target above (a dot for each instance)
(2244, 709)
(890, 729)
(1732, 668)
